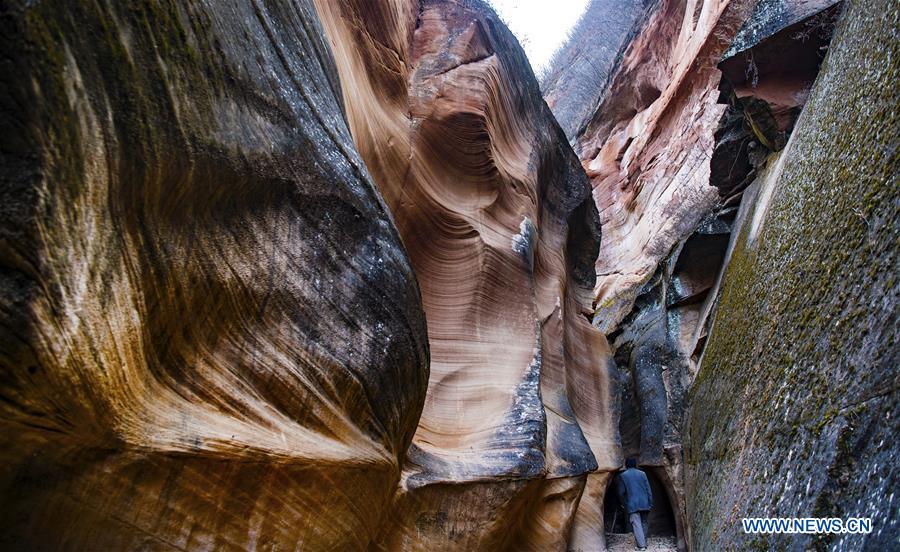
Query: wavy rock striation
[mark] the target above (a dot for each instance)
(496, 214)
(210, 334)
(225, 227)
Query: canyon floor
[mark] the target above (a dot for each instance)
(622, 542)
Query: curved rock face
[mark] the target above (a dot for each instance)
(794, 412)
(213, 300)
(210, 334)
(496, 214)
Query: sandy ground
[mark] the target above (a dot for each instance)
(617, 542)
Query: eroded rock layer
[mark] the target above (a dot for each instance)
(495, 211)
(646, 145)
(210, 334)
(213, 300)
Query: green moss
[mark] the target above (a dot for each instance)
(800, 306)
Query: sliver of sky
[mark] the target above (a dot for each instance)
(540, 25)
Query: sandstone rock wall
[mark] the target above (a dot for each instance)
(328, 275)
(210, 334)
(495, 211)
(646, 145)
(794, 408)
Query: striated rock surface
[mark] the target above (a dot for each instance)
(225, 226)
(210, 334)
(794, 412)
(496, 213)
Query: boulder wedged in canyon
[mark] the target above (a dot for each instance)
(495, 211)
(794, 411)
(211, 336)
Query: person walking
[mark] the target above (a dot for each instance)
(635, 495)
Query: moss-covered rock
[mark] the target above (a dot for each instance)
(794, 410)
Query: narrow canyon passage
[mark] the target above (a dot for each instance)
(661, 524)
(347, 275)
(625, 543)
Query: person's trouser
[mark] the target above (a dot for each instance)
(638, 519)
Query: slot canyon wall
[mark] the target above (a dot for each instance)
(496, 214)
(205, 296)
(211, 336)
(794, 411)
(329, 275)
(578, 73)
(647, 146)
(691, 126)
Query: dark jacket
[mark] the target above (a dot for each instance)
(634, 490)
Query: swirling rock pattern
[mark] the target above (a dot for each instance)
(210, 334)
(497, 217)
(225, 226)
